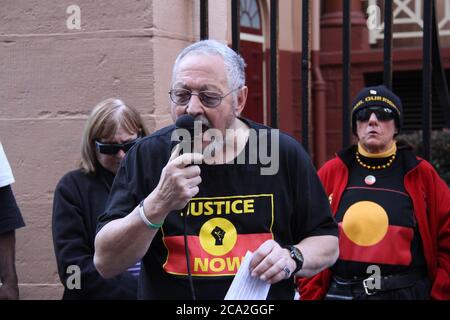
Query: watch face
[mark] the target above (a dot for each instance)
(296, 254)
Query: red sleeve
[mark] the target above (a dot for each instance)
(326, 176)
(440, 204)
(316, 287)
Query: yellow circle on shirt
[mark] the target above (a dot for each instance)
(218, 236)
(365, 223)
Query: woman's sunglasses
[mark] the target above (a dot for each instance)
(113, 148)
(382, 113)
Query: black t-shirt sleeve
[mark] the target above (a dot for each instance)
(10, 216)
(313, 213)
(136, 178)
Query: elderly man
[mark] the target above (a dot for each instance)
(192, 217)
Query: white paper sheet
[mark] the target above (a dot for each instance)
(246, 287)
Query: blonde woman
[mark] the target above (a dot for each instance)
(80, 196)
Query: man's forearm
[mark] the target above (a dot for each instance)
(319, 252)
(121, 243)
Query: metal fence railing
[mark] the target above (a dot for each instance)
(432, 66)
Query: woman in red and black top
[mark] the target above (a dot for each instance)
(393, 212)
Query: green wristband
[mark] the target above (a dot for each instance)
(147, 222)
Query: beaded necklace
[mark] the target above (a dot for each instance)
(375, 167)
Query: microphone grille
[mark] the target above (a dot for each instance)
(186, 121)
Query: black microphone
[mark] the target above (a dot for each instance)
(186, 121)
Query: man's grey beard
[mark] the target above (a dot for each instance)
(205, 122)
(215, 144)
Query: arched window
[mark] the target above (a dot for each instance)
(252, 50)
(250, 15)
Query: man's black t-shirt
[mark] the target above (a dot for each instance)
(236, 209)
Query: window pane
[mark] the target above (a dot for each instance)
(253, 6)
(245, 21)
(250, 16)
(255, 21)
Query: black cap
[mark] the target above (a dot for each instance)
(377, 96)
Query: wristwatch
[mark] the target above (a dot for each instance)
(297, 256)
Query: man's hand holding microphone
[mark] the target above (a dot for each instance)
(177, 186)
(179, 179)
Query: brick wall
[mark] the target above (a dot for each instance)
(52, 76)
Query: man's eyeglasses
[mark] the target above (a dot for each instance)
(209, 99)
(382, 113)
(113, 148)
